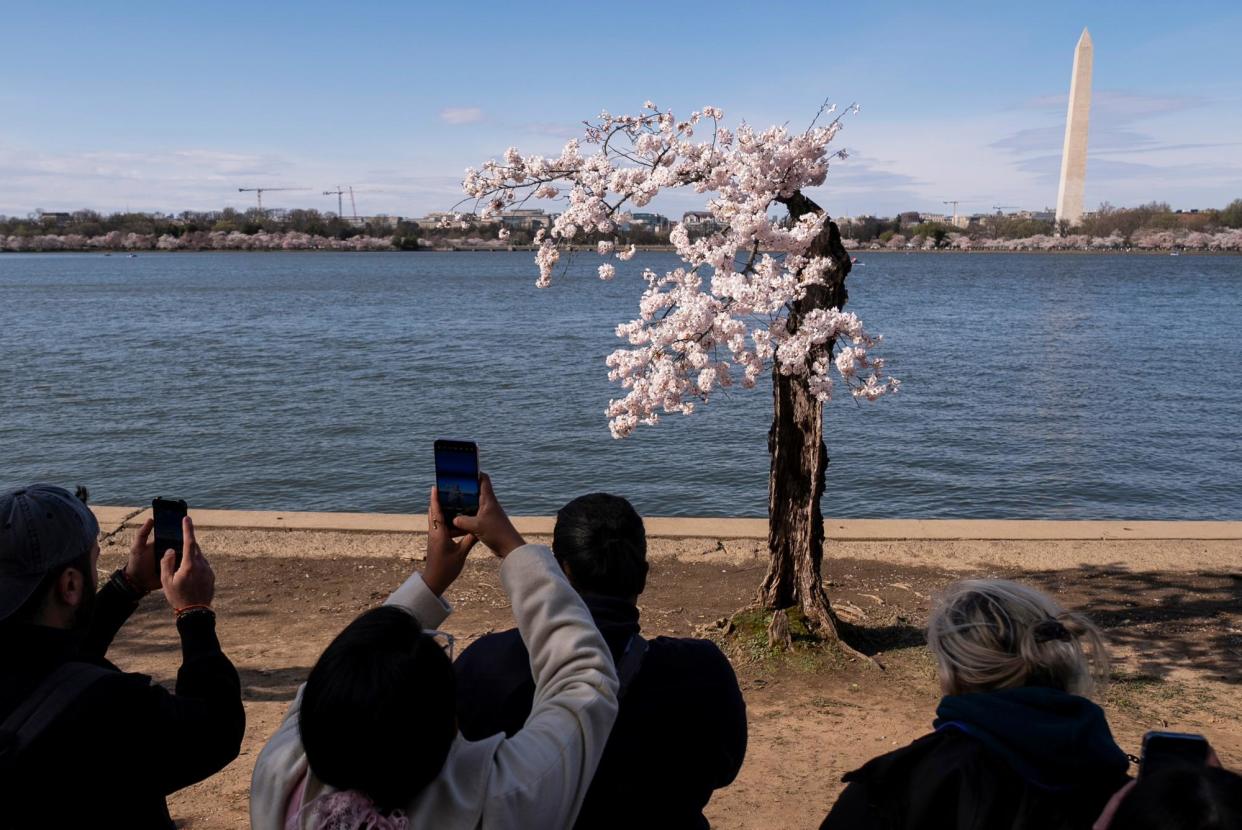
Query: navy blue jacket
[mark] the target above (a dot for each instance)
(679, 735)
(1015, 759)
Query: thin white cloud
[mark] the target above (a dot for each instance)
(1115, 114)
(1123, 104)
(1140, 147)
(461, 115)
(179, 179)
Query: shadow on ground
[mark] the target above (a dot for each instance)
(1165, 621)
(878, 640)
(279, 685)
(1156, 622)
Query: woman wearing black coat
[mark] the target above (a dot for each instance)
(1017, 744)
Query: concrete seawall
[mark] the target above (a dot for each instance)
(846, 530)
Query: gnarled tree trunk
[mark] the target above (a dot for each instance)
(799, 456)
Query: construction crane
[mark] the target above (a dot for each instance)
(338, 193)
(259, 191)
(955, 203)
(999, 208)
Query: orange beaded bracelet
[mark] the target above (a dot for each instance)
(179, 612)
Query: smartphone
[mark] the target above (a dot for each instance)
(457, 478)
(168, 514)
(1163, 750)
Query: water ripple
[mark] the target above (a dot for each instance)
(1035, 386)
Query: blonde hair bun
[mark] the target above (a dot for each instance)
(989, 634)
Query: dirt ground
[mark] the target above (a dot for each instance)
(1175, 632)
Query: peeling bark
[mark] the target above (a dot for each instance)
(799, 456)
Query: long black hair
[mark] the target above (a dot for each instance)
(602, 540)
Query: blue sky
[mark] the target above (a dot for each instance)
(171, 106)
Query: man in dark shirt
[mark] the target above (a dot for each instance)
(119, 744)
(681, 730)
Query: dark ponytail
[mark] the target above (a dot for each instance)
(602, 541)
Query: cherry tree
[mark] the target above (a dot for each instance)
(763, 291)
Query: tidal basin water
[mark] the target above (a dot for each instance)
(1035, 386)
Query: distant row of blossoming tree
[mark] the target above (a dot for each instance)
(1144, 240)
(1229, 240)
(196, 241)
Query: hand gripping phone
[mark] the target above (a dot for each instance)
(168, 514)
(457, 478)
(1164, 750)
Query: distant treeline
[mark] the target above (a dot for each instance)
(1131, 225)
(1150, 226)
(215, 230)
(1229, 240)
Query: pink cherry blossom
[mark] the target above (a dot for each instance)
(695, 332)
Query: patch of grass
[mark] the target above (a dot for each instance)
(1125, 690)
(1149, 697)
(747, 642)
(830, 704)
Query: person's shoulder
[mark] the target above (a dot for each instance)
(942, 754)
(100, 679)
(689, 662)
(116, 691)
(498, 653)
(691, 647)
(492, 644)
(902, 787)
(108, 699)
(690, 654)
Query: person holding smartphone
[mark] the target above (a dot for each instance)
(1181, 786)
(371, 739)
(83, 744)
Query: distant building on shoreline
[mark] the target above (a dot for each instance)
(653, 222)
(526, 219)
(959, 221)
(379, 220)
(435, 219)
(55, 217)
(699, 220)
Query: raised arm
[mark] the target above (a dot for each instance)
(541, 774)
(198, 730)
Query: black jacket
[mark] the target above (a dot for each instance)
(679, 735)
(1017, 758)
(125, 744)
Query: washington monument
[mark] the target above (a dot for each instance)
(1074, 155)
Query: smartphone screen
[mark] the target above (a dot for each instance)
(457, 478)
(1162, 750)
(168, 514)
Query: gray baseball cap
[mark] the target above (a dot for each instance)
(41, 528)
